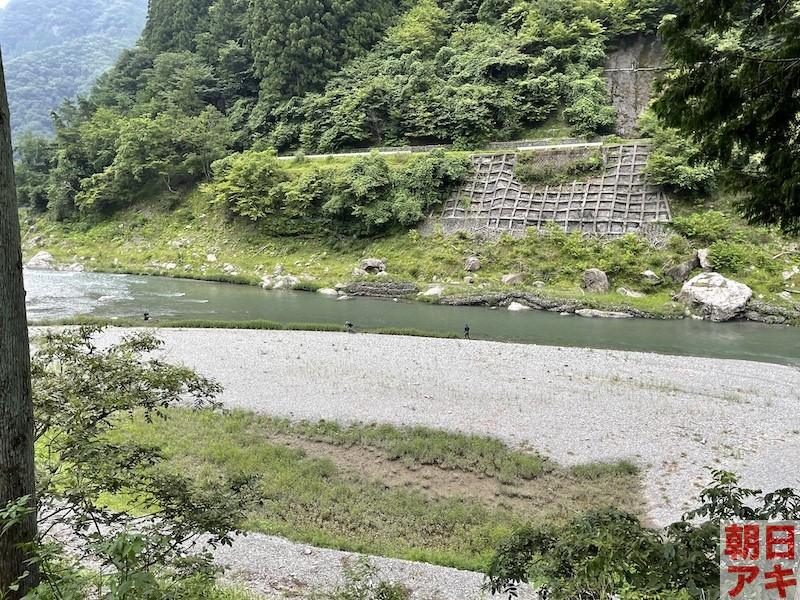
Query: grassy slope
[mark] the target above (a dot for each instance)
(185, 230)
(413, 493)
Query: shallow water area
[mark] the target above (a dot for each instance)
(58, 295)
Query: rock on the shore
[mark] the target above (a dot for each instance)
(41, 260)
(512, 279)
(516, 306)
(436, 290)
(595, 281)
(373, 265)
(385, 289)
(630, 293)
(604, 314)
(327, 292)
(649, 277)
(719, 298)
(680, 272)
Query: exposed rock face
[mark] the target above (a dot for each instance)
(472, 264)
(516, 306)
(595, 281)
(719, 298)
(764, 313)
(512, 278)
(629, 80)
(327, 292)
(41, 260)
(373, 265)
(680, 272)
(605, 314)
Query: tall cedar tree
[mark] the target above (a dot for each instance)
(737, 90)
(17, 476)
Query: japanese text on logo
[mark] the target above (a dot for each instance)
(759, 559)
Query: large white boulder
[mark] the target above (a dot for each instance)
(516, 307)
(719, 298)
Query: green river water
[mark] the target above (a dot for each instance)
(53, 295)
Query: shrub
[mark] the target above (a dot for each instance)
(729, 256)
(705, 228)
(306, 286)
(675, 161)
(609, 553)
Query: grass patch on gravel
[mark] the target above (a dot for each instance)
(412, 493)
(251, 324)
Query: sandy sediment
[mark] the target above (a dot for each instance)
(676, 417)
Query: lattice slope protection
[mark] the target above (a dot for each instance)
(619, 201)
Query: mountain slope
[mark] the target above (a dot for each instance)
(53, 49)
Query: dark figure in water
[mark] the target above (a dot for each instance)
(146, 316)
(349, 326)
(466, 332)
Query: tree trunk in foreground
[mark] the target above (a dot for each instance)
(17, 476)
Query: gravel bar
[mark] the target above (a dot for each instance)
(676, 417)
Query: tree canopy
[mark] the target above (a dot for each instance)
(736, 89)
(322, 75)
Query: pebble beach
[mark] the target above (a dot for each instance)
(675, 417)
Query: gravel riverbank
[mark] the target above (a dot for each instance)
(674, 416)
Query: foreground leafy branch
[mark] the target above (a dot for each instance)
(159, 543)
(610, 553)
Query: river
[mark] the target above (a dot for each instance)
(56, 294)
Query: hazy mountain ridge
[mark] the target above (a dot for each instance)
(54, 49)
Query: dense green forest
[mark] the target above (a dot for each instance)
(54, 49)
(210, 79)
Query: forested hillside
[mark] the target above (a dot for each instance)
(53, 49)
(214, 77)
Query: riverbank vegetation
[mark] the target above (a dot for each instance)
(410, 493)
(190, 238)
(168, 166)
